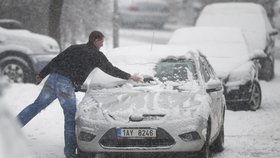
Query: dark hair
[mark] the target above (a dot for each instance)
(95, 35)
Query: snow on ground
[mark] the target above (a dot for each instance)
(247, 134)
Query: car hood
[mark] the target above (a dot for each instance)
(136, 104)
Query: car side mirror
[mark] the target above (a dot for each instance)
(258, 54)
(148, 79)
(274, 32)
(213, 86)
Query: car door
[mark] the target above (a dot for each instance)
(207, 75)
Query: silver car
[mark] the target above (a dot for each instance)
(179, 108)
(24, 53)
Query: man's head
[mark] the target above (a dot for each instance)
(96, 38)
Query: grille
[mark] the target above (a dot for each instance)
(111, 140)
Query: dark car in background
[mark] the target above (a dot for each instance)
(231, 57)
(135, 13)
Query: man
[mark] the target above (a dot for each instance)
(67, 72)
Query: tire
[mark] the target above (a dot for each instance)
(254, 102)
(17, 70)
(267, 70)
(218, 145)
(205, 151)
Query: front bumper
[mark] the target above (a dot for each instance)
(167, 140)
(240, 94)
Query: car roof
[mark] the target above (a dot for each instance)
(213, 41)
(235, 6)
(149, 53)
(129, 2)
(250, 17)
(208, 33)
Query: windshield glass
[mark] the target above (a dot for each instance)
(175, 70)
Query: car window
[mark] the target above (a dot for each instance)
(204, 68)
(208, 68)
(175, 70)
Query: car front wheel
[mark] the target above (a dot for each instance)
(16, 70)
(218, 145)
(205, 151)
(254, 102)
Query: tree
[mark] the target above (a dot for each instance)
(55, 11)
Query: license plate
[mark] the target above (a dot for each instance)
(136, 133)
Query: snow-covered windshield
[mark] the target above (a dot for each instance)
(175, 70)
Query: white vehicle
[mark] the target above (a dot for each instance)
(229, 54)
(24, 53)
(276, 14)
(252, 19)
(180, 107)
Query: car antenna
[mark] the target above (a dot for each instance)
(153, 40)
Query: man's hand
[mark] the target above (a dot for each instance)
(38, 79)
(136, 78)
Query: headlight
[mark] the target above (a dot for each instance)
(241, 75)
(51, 47)
(191, 136)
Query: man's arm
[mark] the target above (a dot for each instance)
(106, 66)
(47, 69)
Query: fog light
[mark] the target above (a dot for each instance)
(189, 136)
(87, 137)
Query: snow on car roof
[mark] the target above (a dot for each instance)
(233, 7)
(146, 54)
(26, 34)
(250, 17)
(212, 40)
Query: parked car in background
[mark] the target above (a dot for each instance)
(11, 24)
(135, 13)
(276, 14)
(180, 91)
(229, 54)
(24, 53)
(252, 19)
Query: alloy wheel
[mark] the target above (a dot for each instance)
(255, 100)
(14, 72)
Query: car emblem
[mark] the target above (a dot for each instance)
(136, 118)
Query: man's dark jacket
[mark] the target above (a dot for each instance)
(77, 61)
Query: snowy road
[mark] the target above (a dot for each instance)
(247, 134)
